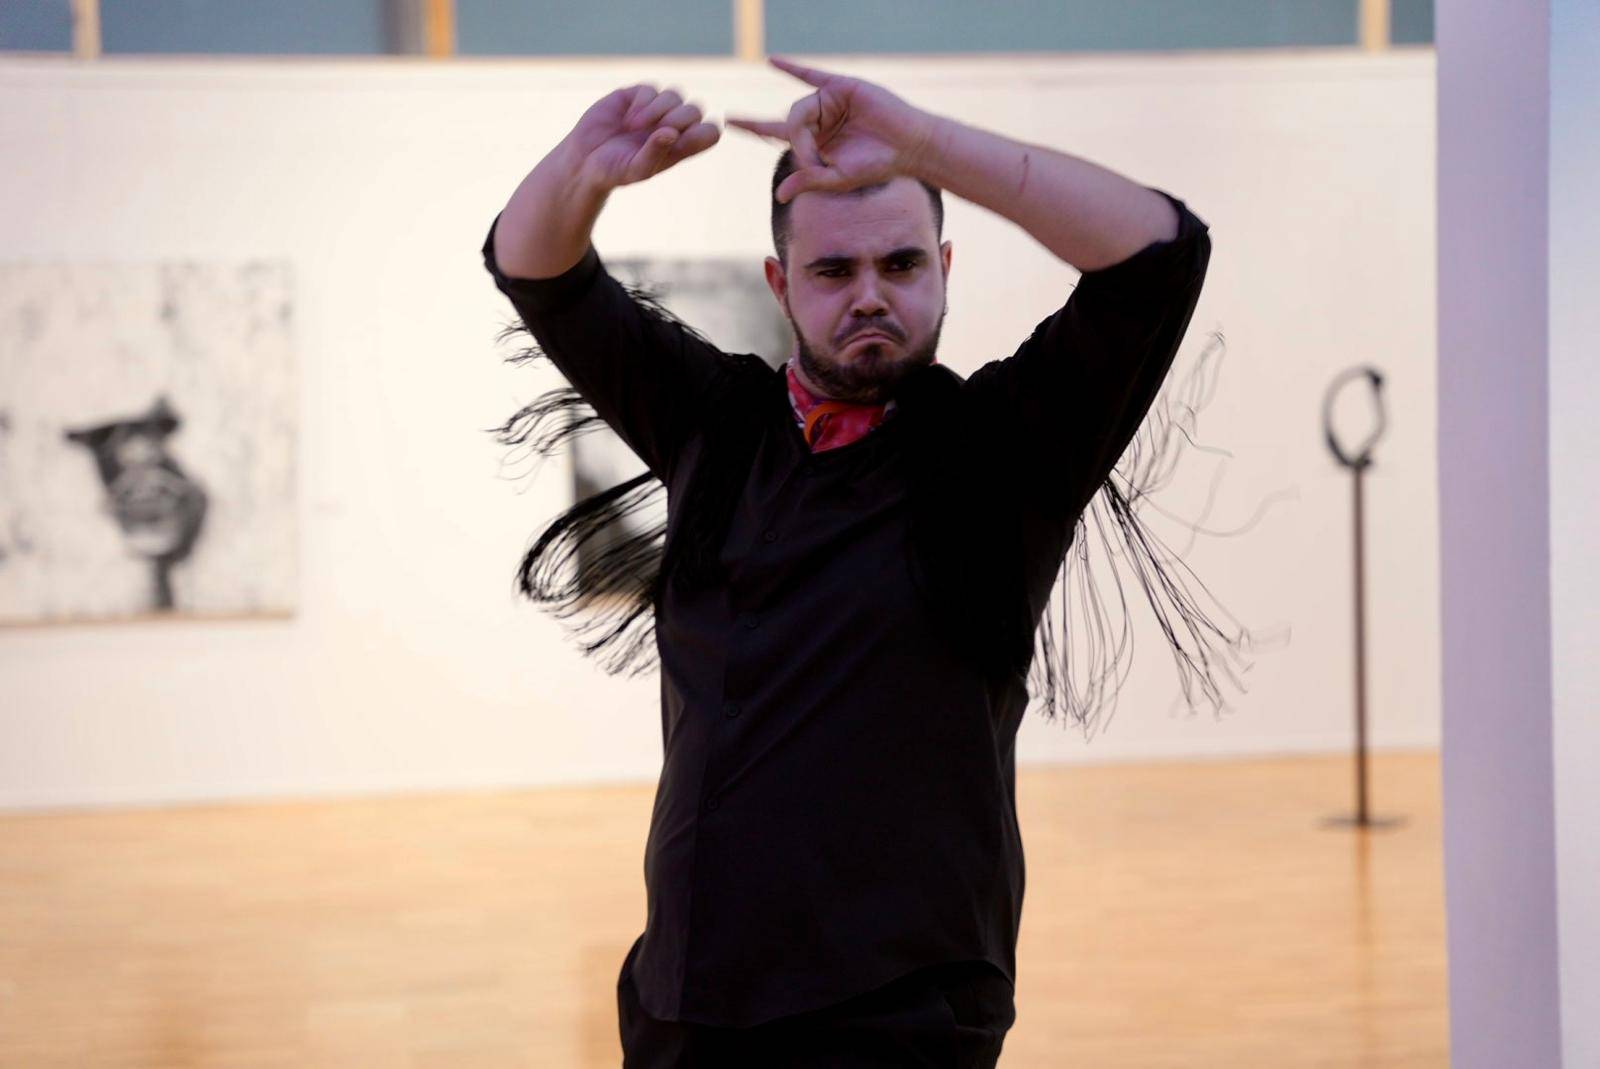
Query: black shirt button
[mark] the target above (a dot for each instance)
(730, 708)
(770, 536)
(711, 803)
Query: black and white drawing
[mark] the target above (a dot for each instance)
(147, 441)
(158, 508)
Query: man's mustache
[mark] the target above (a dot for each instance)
(887, 331)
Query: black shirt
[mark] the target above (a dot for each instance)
(836, 803)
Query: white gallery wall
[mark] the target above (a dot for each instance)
(412, 665)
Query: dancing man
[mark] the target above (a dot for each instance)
(858, 547)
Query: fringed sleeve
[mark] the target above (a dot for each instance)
(1083, 381)
(641, 370)
(630, 365)
(1074, 396)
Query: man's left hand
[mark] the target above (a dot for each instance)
(848, 133)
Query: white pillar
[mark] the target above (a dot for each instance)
(1519, 438)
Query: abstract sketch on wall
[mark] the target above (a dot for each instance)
(724, 298)
(147, 441)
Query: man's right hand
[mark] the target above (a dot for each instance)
(634, 133)
(625, 137)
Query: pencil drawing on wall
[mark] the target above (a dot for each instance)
(147, 440)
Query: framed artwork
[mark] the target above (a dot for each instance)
(147, 441)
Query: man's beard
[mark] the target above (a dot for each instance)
(869, 378)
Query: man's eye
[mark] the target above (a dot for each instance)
(840, 272)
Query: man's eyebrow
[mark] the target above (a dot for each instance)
(904, 252)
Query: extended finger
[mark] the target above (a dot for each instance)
(642, 96)
(622, 97)
(806, 110)
(696, 138)
(650, 158)
(638, 96)
(681, 117)
(803, 118)
(816, 77)
(615, 104)
(806, 152)
(651, 113)
(763, 127)
(808, 178)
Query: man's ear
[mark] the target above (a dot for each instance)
(777, 282)
(944, 256)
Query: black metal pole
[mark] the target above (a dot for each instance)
(1361, 657)
(1357, 460)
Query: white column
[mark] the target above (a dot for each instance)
(1519, 438)
(1575, 512)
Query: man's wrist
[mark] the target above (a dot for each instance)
(926, 144)
(568, 176)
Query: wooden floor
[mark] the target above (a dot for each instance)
(1193, 914)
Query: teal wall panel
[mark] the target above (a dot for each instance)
(601, 27)
(1055, 25)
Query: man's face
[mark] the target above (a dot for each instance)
(864, 288)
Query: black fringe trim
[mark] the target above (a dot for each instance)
(1110, 532)
(606, 588)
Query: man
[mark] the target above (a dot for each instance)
(857, 549)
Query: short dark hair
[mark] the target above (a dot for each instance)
(780, 212)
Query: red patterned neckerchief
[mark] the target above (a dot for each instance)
(828, 424)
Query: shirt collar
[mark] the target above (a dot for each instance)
(802, 400)
(826, 423)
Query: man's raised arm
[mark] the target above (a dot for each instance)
(1077, 389)
(1087, 215)
(852, 133)
(642, 371)
(624, 137)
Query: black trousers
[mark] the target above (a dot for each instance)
(952, 1016)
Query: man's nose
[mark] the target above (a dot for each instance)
(868, 299)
